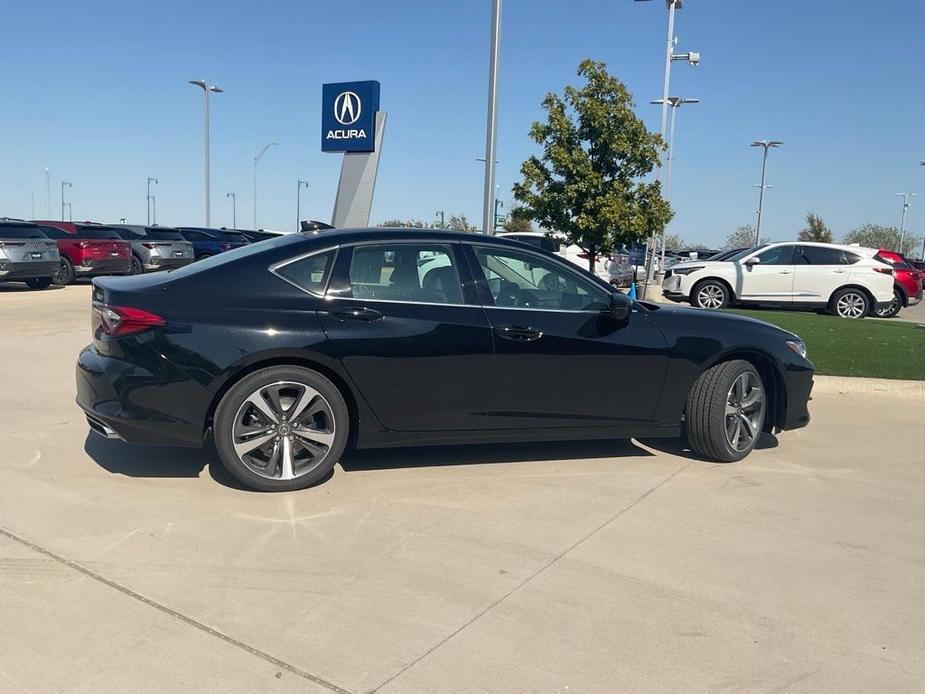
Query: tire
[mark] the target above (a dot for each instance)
(65, 274)
(710, 294)
(204, 256)
(723, 422)
(264, 402)
(135, 268)
(895, 306)
(39, 282)
(849, 302)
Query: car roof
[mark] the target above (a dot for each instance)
(838, 246)
(392, 233)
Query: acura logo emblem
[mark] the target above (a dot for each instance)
(347, 108)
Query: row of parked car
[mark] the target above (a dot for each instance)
(844, 280)
(45, 252)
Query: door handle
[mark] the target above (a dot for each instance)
(518, 333)
(839, 272)
(784, 272)
(357, 313)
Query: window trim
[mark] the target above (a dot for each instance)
(289, 261)
(482, 281)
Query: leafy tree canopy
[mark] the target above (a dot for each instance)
(743, 237)
(815, 230)
(877, 236)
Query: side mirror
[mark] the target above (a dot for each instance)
(620, 306)
(753, 261)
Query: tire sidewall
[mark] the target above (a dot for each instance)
(895, 306)
(223, 423)
(66, 274)
(695, 299)
(136, 268)
(868, 307)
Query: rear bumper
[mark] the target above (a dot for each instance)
(115, 266)
(125, 401)
(160, 263)
(24, 271)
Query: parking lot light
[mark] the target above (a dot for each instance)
(902, 222)
(298, 202)
(148, 199)
(256, 161)
(206, 88)
(63, 185)
(766, 144)
(234, 209)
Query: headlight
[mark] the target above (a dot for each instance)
(797, 346)
(685, 270)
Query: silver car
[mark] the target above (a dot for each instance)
(27, 255)
(155, 248)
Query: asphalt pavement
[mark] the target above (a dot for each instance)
(576, 567)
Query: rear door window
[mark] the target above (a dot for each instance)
(407, 272)
(819, 255)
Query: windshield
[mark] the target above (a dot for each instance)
(746, 252)
(25, 231)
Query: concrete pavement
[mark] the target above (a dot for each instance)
(588, 567)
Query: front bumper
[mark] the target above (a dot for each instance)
(798, 387)
(25, 271)
(114, 266)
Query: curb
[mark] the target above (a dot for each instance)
(845, 385)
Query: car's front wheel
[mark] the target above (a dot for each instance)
(281, 428)
(850, 303)
(710, 294)
(895, 305)
(725, 411)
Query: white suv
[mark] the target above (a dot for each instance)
(613, 269)
(848, 281)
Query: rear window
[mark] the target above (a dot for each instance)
(234, 237)
(16, 231)
(161, 235)
(128, 234)
(55, 232)
(96, 233)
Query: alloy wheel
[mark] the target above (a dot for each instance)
(61, 274)
(711, 296)
(851, 305)
(283, 430)
(745, 406)
(892, 309)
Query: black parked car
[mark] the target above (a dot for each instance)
(287, 351)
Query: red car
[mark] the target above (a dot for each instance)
(907, 282)
(88, 250)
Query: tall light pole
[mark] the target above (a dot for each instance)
(206, 88)
(902, 223)
(148, 199)
(256, 161)
(675, 102)
(766, 144)
(440, 213)
(693, 59)
(298, 203)
(70, 216)
(48, 193)
(234, 209)
(63, 184)
(490, 135)
(154, 209)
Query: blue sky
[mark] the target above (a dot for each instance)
(97, 92)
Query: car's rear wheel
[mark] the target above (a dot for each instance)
(65, 273)
(895, 305)
(135, 268)
(710, 294)
(281, 428)
(38, 282)
(850, 303)
(725, 411)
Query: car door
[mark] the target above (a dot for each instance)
(560, 360)
(404, 320)
(820, 270)
(771, 279)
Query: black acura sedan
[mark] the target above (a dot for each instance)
(286, 351)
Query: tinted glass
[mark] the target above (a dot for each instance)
(161, 235)
(56, 233)
(819, 255)
(524, 280)
(851, 258)
(96, 233)
(415, 272)
(128, 234)
(779, 255)
(745, 252)
(234, 237)
(536, 241)
(16, 231)
(310, 274)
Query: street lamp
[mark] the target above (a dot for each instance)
(234, 209)
(63, 184)
(148, 199)
(902, 223)
(256, 160)
(206, 88)
(675, 102)
(70, 217)
(298, 202)
(442, 219)
(154, 209)
(490, 134)
(766, 144)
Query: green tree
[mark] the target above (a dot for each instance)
(588, 183)
(459, 223)
(673, 242)
(518, 221)
(815, 230)
(409, 223)
(877, 236)
(743, 237)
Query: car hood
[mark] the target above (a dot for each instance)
(700, 263)
(666, 312)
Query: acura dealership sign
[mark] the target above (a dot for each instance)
(348, 116)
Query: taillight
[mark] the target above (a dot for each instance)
(225, 246)
(84, 244)
(884, 270)
(118, 321)
(149, 245)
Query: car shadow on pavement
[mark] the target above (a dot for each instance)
(680, 447)
(487, 454)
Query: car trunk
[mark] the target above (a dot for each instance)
(105, 249)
